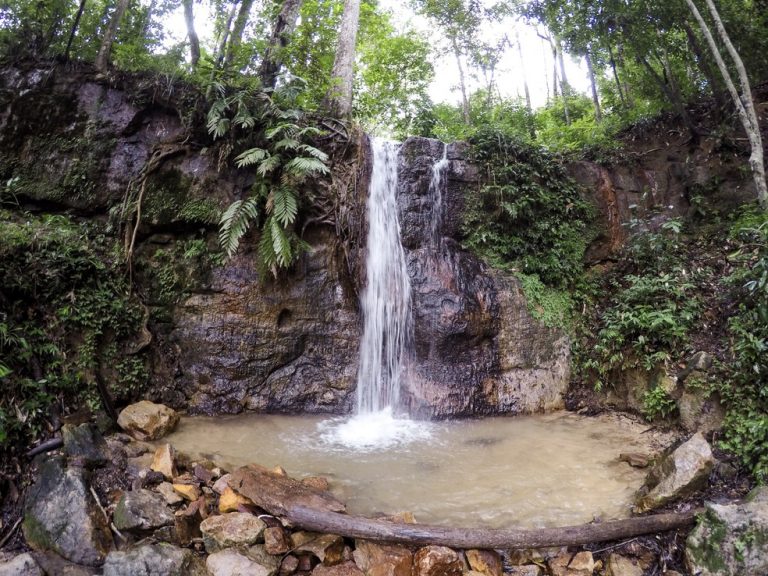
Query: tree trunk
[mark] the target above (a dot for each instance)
(484, 538)
(704, 65)
(528, 106)
(194, 41)
(236, 37)
(338, 101)
(102, 58)
(281, 35)
(462, 82)
(221, 46)
(75, 26)
(671, 95)
(744, 103)
(593, 84)
(557, 54)
(612, 60)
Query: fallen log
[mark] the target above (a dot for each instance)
(484, 538)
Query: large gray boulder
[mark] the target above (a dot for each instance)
(731, 539)
(153, 560)
(21, 565)
(142, 510)
(61, 515)
(677, 475)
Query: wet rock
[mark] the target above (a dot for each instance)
(230, 562)
(233, 529)
(231, 501)
(276, 494)
(164, 461)
(165, 489)
(21, 565)
(258, 553)
(275, 540)
(437, 561)
(189, 492)
(677, 475)
(635, 459)
(382, 560)
(618, 565)
(486, 562)
(142, 510)
(317, 482)
(568, 564)
(147, 421)
(61, 515)
(526, 570)
(53, 564)
(289, 565)
(153, 560)
(222, 484)
(343, 569)
(731, 539)
(86, 443)
(328, 548)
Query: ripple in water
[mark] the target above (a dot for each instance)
(372, 431)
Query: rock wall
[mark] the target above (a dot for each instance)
(77, 142)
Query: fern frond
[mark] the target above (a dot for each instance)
(281, 244)
(250, 156)
(285, 205)
(314, 152)
(310, 131)
(303, 166)
(235, 222)
(287, 144)
(279, 130)
(269, 165)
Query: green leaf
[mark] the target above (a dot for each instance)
(269, 164)
(251, 156)
(235, 223)
(285, 205)
(280, 244)
(303, 166)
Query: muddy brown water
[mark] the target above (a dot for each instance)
(527, 471)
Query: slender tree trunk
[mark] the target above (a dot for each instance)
(75, 26)
(281, 34)
(221, 45)
(557, 56)
(236, 37)
(612, 60)
(338, 101)
(744, 103)
(194, 41)
(593, 84)
(462, 82)
(528, 105)
(102, 58)
(704, 65)
(669, 92)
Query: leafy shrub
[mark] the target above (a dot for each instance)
(528, 215)
(657, 404)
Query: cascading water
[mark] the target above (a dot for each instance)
(439, 170)
(387, 321)
(386, 299)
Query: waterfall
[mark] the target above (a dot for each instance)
(436, 185)
(386, 299)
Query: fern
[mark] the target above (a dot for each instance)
(250, 156)
(235, 223)
(304, 166)
(269, 165)
(284, 205)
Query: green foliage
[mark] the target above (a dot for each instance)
(657, 404)
(279, 146)
(554, 308)
(528, 215)
(65, 317)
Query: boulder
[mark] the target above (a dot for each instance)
(61, 515)
(486, 562)
(53, 564)
(232, 529)
(164, 461)
(437, 561)
(317, 482)
(21, 565)
(677, 475)
(526, 570)
(153, 560)
(231, 501)
(382, 559)
(165, 489)
(276, 541)
(569, 564)
(146, 420)
(618, 565)
(343, 569)
(141, 510)
(328, 548)
(276, 493)
(230, 562)
(731, 539)
(86, 443)
(700, 414)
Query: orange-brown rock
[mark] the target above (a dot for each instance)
(486, 562)
(328, 548)
(437, 561)
(275, 540)
(343, 569)
(277, 494)
(316, 482)
(164, 461)
(231, 501)
(147, 421)
(569, 564)
(189, 492)
(382, 559)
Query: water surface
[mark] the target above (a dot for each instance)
(527, 471)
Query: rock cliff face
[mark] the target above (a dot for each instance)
(79, 143)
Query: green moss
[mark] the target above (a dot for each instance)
(167, 200)
(552, 307)
(707, 549)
